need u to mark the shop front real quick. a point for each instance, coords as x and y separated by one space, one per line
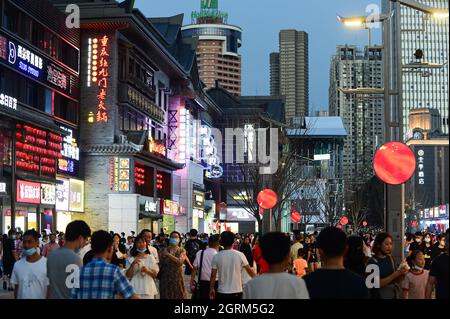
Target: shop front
69 200
198 211
149 214
434 219
171 211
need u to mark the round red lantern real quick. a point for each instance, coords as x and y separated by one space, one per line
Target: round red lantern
296 217
364 223
267 199
394 163
344 221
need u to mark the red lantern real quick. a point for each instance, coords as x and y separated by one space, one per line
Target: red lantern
364 223
394 163
296 217
344 221
267 199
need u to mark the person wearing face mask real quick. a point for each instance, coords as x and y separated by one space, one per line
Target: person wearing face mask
438 282
417 244
142 269
171 277
427 249
77 234
415 282
29 275
439 247
100 279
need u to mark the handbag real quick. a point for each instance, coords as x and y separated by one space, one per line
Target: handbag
196 292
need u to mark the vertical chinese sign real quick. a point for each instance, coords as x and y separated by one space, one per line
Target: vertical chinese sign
98 72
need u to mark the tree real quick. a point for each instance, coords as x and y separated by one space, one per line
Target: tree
357 210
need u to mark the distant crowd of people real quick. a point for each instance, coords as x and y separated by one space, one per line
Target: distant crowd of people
78 264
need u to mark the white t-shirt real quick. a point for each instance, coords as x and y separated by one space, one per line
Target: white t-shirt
229 264
154 252
31 278
276 286
245 276
207 262
143 284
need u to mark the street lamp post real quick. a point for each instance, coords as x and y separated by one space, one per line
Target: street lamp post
393 117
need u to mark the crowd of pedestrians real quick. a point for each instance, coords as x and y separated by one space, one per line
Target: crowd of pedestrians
79 264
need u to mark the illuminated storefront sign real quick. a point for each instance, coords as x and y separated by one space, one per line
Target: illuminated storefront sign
150 206
199 200
170 207
157 148
69 164
208 154
98 66
76 196
8 101
48 194
139 175
62 195
420 167
120 174
184 140
28 192
57 77
27 61
2 187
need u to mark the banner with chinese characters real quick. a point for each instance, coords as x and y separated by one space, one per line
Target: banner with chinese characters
120 174
98 75
425 184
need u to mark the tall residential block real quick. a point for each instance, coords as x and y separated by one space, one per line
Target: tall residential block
353 69
290 72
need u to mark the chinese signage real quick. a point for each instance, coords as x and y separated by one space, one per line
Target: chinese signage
28 192
62 195
98 73
184 134
8 101
209 4
146 105
69 164
170 208
76 196
120 174
208 154
424 178
35 66
48 194
150 206
420 167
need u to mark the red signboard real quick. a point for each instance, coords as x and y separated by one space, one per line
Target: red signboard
28 192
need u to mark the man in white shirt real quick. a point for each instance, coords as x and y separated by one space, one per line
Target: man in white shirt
276 283
206 268
29 275
228 264
147 234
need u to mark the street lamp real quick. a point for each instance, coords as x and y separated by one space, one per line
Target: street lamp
393 68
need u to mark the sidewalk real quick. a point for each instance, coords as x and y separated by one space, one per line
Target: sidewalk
6 294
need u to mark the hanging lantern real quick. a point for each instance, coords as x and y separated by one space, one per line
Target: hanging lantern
344 221
296 217
394 163
267 199
364 223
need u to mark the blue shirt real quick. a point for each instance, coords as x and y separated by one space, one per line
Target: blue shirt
101 280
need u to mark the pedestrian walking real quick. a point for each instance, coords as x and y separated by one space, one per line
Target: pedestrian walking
332 280
9 258
355 260
246 249
262 265
203 266
297 244
51 246
415 282
29 275
439 247
300 266
99 279
66 261
390 277
148 236
142 269
276 283
228 264
119 257
171 277
313 258
438 281
427 249
192 246
417 244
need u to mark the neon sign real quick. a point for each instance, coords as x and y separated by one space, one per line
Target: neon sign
209 156
56 77
184 135
28 61
98 73
8 101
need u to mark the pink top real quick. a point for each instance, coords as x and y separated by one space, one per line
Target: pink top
49 248
300 265
415 284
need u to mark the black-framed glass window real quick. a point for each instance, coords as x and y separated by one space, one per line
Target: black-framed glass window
66 109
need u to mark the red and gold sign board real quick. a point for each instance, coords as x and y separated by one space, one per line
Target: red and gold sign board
98 73
28 192
37 150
